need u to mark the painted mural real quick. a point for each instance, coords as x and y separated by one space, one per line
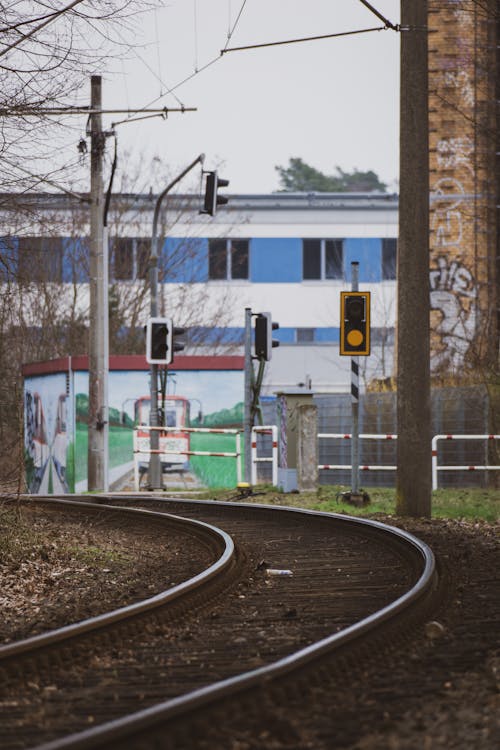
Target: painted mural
56 424
48 443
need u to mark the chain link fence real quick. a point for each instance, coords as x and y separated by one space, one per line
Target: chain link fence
464 410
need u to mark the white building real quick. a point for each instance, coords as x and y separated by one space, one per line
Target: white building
289 254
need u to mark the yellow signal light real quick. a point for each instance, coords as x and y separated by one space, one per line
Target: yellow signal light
355 324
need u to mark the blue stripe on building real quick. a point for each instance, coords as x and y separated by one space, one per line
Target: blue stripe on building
368 253
276 260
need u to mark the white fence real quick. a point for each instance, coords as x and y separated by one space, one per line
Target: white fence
434 448
273 458
448 467
362 436
142 450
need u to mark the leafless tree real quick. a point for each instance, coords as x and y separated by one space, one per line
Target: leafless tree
45 59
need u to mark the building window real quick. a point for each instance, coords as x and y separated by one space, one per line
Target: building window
322 259
305 335
129 258
227 260
40 259
389 258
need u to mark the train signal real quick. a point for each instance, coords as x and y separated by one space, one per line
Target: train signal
160 341
212 199
355 324
176 346
264 342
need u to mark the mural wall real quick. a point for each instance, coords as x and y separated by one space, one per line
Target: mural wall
49 434
56 421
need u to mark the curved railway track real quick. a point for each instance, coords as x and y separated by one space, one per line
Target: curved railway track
354 585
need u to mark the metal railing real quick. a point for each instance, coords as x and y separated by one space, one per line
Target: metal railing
140 448
362 436
273 458
436 467
454 467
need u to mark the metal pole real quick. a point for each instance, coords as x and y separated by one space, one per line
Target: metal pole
414 476
105 355
98 314
248 395
355 398
155 472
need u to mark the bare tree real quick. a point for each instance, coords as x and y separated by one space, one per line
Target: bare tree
45 57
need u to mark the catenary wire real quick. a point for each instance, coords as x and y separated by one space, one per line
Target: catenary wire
211 62
379 15
303 39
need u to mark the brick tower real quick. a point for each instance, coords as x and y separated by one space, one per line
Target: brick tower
464 181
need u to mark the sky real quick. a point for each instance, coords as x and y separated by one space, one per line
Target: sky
332 102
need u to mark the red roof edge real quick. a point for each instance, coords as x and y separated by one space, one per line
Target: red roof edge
134 362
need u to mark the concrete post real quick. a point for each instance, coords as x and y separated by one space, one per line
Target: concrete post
289 401
98 302
307 448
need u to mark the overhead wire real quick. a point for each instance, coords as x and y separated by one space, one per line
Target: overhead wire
158 59
232 30
156 75
195 22
172 89
379 15
303 39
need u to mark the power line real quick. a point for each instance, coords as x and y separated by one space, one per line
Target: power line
304 39
232 30
18 111
204 67
379 15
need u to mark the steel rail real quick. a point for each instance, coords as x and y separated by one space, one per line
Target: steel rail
39 642
154 716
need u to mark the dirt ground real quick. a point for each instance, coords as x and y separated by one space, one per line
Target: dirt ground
56 570
443 692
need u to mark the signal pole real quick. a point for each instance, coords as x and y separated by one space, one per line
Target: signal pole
355 398
248 396
414 475
98 290
155 470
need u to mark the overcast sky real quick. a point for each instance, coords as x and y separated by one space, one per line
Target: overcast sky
331 102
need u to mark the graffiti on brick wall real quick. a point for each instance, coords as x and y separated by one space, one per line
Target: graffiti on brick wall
461 81
453 153
453 286
453 295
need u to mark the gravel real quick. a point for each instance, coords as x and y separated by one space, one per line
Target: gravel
442 691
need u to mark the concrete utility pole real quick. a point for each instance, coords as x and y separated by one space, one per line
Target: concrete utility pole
414 476
98 324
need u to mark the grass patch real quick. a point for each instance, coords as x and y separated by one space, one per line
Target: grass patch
468 504
98 557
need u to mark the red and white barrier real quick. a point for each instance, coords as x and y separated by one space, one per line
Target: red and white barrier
265 430
436 467
385 467
363 436
140 448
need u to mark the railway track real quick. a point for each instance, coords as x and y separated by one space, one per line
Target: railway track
306 592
